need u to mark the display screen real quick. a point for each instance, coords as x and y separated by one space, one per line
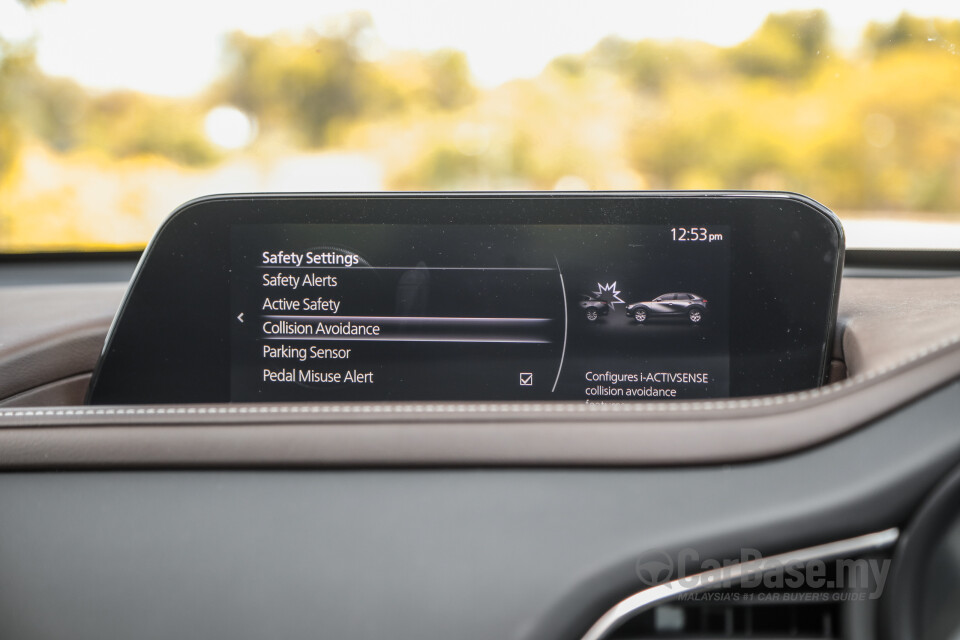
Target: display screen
392 311
592 298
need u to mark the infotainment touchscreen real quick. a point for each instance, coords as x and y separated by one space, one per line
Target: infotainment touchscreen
595 298
471 311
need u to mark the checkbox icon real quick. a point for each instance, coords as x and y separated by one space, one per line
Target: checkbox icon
526 379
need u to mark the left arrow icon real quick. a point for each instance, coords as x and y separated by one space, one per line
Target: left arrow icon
240 317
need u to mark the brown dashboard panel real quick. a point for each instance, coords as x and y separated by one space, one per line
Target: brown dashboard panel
900 339
52 334
49 335
883 321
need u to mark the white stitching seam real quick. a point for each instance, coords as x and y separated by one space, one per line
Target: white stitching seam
501 407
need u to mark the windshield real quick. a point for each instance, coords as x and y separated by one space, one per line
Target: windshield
113 113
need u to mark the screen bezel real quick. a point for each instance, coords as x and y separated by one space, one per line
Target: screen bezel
781 243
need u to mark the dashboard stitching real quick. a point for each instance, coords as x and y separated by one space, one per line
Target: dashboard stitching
539 407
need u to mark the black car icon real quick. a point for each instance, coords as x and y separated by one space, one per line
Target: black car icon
688 306
594 307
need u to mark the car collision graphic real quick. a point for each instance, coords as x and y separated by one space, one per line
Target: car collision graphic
686 306
594 307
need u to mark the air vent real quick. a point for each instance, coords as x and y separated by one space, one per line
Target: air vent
826 591
733 617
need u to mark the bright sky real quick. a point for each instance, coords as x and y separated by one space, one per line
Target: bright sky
173 46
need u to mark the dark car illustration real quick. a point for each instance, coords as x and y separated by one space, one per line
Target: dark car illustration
687 306
594 307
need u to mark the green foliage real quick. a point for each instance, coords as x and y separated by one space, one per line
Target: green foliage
314 83
9 145
13 62
787 45
647 65
127 124
709 140
910 31
449 85
67 117
782 110
308 83
878 128
444 167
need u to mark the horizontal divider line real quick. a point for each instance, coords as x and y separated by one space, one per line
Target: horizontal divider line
315 338
452 319
328 267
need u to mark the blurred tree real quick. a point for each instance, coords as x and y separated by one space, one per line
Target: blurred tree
571 65
911 31
450 85
48 108
787 45
314 83
646 65
12 62
710 142
877 129
65 116
307 84
126 124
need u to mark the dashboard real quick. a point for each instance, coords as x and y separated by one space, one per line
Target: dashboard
251 509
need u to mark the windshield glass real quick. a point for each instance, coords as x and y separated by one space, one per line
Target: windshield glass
112 113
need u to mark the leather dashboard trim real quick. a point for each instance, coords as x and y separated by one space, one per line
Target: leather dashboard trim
48 333
68 391
487 434
900 340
